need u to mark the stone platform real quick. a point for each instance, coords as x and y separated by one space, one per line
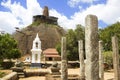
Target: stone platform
36 65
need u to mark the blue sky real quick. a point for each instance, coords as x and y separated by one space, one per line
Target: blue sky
70 12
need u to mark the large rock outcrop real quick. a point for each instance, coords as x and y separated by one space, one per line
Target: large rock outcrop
47 28
49 35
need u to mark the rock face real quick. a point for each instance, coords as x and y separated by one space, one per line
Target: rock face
49 35
46 26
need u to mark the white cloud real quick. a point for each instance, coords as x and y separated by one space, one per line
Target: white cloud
18 15
63 20
7 21
108 12
73 3
22 17
34 7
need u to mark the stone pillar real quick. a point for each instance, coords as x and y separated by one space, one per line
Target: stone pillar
91 48
115 57
81 58
46 11
101 67
64 71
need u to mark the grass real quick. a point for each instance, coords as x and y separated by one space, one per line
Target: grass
2 74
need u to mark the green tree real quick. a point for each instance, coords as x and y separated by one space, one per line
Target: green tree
8 47
108 58
80 32
58 48
107 33
72 44
72 37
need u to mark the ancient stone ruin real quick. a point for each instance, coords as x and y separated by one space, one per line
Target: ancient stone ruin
91 70
91 48
116 66
81 58
64 71
45 18
55 69
46 11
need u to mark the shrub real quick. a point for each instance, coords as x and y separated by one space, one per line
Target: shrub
7 65
108 59
72 64
2 74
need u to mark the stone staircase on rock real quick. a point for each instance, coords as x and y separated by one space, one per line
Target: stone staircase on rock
21 74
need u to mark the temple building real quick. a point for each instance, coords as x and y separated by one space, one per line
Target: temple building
36 52
45 18
51 54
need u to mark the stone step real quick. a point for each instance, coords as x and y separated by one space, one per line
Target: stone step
21 76
20 73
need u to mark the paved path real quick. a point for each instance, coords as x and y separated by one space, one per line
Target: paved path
108 75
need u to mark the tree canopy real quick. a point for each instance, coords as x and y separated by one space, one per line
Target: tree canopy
72 37
107 33
8 47
78 34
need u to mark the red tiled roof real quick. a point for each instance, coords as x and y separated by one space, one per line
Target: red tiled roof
52 55
51 52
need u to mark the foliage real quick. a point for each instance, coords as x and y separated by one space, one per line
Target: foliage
7 65
72 37
8 47
58 48
107 33
2 74
108 57
36 23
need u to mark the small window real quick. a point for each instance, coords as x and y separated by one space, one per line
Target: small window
36 45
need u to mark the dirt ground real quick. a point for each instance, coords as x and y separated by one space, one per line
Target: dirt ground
107 75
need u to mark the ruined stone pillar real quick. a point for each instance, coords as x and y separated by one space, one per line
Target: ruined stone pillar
115 57
91 48
64 71
46 11
101 67
81 58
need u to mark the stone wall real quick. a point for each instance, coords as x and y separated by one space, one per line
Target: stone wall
11 76
35 73
45 19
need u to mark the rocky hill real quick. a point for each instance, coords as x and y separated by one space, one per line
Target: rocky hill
49 35
46 26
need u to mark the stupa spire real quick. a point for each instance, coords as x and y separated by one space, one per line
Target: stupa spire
46 11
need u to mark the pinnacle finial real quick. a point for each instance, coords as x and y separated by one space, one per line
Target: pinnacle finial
37 38
37 35
46 11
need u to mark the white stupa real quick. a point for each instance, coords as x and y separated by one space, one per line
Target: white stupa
36 52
